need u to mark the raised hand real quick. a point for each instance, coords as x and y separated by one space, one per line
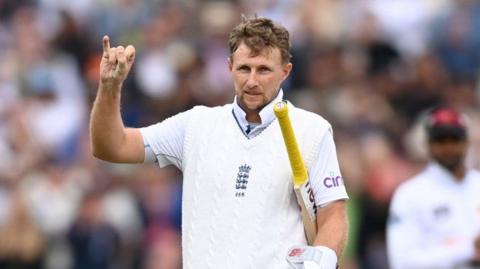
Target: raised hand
116 63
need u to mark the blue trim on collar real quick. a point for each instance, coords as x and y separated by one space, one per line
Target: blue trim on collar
238 123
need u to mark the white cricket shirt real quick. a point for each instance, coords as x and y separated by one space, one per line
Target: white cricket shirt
239 209
434 220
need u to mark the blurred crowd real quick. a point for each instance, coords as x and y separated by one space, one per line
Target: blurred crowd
371 67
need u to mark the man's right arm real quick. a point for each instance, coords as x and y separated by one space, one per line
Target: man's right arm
110 140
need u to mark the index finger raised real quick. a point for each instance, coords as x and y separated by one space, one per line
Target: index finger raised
106 44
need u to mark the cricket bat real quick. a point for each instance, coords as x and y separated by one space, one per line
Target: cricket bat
301 183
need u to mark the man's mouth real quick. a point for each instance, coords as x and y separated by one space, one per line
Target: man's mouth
252 93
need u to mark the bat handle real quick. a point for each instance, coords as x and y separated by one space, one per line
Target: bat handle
296 162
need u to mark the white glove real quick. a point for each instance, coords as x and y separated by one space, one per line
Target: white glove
307 257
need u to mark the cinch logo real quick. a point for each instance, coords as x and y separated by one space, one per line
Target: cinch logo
330 182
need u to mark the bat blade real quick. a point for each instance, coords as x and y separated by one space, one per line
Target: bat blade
301 183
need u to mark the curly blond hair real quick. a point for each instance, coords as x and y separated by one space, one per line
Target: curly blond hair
258 33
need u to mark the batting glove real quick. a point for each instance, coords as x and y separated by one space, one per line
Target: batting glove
307 257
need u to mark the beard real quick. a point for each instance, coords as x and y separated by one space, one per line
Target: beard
451 163
253 104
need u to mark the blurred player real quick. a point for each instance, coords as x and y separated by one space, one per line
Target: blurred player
239 208
435 216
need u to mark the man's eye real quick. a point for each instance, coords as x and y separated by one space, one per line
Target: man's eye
244 68
264 69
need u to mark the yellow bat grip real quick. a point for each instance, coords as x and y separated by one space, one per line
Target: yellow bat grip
300 175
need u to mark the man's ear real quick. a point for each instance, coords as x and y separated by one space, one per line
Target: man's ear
286 70
230 64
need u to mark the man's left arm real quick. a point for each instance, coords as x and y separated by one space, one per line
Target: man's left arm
332 223
330 196
332 226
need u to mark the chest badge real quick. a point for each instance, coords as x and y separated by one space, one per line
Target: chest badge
242 180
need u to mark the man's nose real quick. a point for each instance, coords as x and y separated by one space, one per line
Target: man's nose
252 80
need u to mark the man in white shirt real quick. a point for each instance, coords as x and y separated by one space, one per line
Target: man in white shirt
239 209
434 217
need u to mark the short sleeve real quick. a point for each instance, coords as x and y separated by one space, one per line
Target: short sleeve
165 139
325 177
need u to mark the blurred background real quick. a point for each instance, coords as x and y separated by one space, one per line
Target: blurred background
371 67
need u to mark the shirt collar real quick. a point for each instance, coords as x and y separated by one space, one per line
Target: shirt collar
443 174
266 114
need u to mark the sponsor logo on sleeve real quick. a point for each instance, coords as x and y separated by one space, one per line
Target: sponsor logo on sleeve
333 181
